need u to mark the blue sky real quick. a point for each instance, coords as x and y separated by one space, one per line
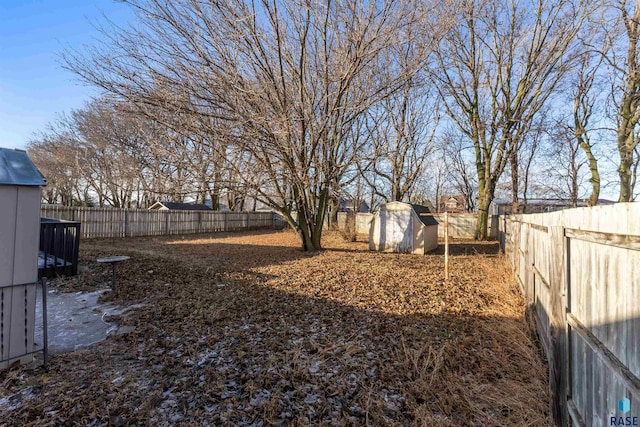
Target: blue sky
34 88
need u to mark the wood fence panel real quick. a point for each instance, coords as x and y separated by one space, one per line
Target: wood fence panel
586 275
115 222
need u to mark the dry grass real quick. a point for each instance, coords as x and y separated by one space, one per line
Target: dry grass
245 329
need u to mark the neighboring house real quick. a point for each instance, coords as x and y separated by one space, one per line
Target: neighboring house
349 205
174 206
221 206
452 204
505 206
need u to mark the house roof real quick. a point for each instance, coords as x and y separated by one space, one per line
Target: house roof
175 206
426 219
349 205
17 169
551 202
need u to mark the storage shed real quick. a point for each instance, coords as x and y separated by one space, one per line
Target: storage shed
20 183
399 227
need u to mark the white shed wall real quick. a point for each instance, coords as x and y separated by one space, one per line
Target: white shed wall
398 228
391 230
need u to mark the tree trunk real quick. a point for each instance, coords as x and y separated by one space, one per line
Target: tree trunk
624 172
310 233
333 218
305 234
485 197
396 194
483 219
574 187
595 175
515 181
215 201
310 219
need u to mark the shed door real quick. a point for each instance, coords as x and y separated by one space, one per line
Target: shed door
399 238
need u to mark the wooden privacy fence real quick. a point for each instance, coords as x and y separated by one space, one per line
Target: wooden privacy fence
580 271
116 222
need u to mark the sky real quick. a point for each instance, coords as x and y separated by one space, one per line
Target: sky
34 88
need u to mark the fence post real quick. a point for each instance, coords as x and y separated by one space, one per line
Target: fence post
225 226
558 373
446 246
166 222
515 251
126 223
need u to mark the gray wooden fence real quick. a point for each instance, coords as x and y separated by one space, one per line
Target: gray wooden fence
115 222
580 271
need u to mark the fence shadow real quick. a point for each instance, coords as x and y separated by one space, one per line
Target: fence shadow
469 248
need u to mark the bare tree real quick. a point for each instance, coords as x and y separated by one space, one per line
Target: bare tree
55 157
288 78
459 161
565 163
624 65
531 146
401 130
106 153
496 69
401 133
103 139
583 103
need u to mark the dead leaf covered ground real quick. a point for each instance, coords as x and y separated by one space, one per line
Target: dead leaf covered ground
245 329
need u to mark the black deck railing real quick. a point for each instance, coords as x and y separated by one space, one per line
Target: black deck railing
59 246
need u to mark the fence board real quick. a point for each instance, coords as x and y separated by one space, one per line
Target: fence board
115 222
585 265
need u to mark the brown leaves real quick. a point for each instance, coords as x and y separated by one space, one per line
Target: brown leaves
247 330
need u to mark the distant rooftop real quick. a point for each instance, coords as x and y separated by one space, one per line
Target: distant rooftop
17 169
550 202
174 206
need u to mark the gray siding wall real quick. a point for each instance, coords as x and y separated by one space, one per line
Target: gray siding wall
19 236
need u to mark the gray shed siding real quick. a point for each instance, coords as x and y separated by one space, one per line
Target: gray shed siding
19 238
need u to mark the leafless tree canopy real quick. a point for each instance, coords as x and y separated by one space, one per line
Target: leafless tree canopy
496 69
285 82
295 104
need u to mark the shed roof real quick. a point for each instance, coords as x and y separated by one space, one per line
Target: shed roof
426 219
17 169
